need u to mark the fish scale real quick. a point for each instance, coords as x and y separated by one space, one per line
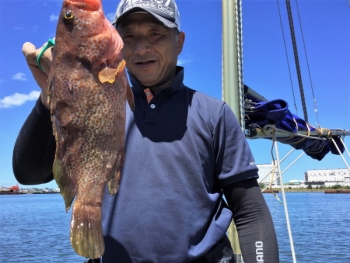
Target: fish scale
87 96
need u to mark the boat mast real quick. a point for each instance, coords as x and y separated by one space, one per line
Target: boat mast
232 73
232 81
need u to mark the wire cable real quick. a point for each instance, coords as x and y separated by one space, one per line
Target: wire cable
285 49
308 67
239 36
296 57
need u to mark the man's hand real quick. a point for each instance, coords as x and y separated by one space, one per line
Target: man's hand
41 77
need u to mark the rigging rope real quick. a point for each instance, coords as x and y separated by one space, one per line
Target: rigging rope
239 38
308 68
285 49
284 199
296 57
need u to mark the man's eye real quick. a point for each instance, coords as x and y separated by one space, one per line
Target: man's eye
127 36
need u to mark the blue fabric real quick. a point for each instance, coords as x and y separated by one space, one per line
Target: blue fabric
276 112
179 154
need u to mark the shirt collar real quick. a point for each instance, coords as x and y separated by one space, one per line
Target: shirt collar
174 86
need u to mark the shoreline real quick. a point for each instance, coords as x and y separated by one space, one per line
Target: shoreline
27 193
305 190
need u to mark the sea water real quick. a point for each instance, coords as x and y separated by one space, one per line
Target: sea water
320 226
35 228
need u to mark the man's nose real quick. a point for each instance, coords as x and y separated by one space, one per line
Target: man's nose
142 45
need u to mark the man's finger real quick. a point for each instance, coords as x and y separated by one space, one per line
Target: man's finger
41 77
29 51
46 58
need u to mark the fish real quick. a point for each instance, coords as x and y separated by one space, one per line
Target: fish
88 93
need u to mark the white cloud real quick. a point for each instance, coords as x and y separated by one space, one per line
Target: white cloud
53 18
19 76
34 28
110 17
181 62
18 99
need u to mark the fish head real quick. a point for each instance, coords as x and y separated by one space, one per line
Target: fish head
84 33
86 5
82 18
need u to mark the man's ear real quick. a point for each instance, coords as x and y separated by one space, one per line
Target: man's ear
180 41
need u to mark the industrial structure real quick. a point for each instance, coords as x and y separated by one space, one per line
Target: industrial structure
324 178
266 171
327 177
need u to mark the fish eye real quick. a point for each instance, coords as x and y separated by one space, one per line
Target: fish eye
68 16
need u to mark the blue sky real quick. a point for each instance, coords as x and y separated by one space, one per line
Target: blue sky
326 30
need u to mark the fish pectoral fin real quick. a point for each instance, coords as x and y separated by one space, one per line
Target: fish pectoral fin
66 184
113 182
50 87
109 74
48 99
86 230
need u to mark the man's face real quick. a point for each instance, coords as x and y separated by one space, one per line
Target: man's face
150 49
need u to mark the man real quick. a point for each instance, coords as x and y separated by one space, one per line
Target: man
183 150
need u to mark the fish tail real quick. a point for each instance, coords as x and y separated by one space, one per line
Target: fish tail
86 231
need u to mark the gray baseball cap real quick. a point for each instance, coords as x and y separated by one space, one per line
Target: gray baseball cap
164 10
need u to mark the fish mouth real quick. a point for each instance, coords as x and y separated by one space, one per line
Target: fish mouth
89 5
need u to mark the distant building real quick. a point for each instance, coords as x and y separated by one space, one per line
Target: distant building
328 177
265 173
295 182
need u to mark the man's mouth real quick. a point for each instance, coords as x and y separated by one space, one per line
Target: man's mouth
145 62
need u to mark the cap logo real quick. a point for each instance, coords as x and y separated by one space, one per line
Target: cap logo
164 6
165 11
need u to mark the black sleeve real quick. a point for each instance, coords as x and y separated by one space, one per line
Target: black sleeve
34 149
253 220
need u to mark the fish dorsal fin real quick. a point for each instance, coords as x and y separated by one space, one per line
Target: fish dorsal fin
109 74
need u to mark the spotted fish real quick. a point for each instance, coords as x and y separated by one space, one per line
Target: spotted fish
87 96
